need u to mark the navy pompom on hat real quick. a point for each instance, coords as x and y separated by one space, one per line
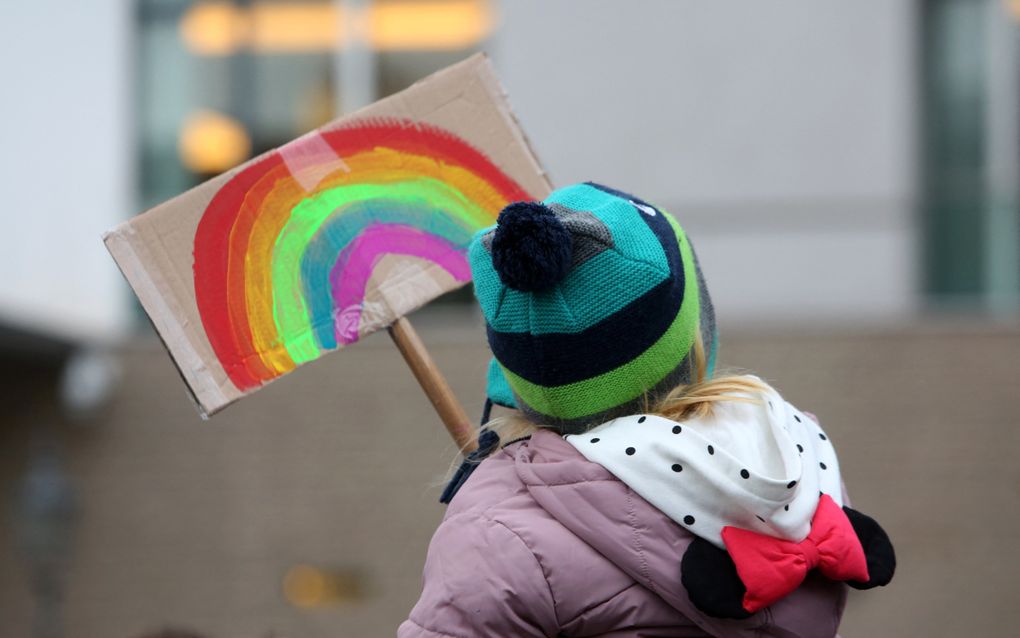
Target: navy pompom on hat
531 249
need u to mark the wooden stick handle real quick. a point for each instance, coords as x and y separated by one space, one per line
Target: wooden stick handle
433 383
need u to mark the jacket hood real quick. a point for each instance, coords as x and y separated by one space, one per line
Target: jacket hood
758 465
637 488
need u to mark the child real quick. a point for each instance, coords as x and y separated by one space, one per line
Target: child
638 494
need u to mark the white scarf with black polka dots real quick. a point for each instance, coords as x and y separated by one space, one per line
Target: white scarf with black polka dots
758 466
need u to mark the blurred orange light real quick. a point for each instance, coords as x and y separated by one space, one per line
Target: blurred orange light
429 25
308 587
298 27
211 142
220 28
213 28
305 586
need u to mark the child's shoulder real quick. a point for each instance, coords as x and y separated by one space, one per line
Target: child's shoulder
491 484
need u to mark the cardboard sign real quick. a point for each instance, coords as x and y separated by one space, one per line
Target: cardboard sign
324 240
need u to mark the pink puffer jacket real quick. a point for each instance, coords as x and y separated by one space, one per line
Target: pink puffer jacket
542 542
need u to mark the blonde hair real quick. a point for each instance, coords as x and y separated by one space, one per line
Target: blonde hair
685 401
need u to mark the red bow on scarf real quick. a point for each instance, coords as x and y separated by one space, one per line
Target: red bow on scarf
771 568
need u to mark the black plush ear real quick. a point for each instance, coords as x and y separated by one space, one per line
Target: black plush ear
711 580
878 550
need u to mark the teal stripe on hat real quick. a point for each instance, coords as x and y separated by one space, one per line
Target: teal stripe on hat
712 349
497 388
587 296
489 289
582 300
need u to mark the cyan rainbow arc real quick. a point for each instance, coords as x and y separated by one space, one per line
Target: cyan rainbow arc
286 248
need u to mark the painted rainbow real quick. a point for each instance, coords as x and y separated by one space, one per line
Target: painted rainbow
286 252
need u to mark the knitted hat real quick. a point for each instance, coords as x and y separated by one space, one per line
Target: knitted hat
592 300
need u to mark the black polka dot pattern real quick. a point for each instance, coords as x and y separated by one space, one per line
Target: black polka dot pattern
671 468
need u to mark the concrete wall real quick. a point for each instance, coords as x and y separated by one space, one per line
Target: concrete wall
781 134
66 170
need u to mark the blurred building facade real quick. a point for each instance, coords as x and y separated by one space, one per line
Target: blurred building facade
848 169
783 136
860 160
68 122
